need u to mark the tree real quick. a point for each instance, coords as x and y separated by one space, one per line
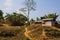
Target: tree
16 19
37 18
32 21
52 15
8 18
44 17
30 4
1 16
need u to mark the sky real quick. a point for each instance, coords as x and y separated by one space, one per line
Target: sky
43 7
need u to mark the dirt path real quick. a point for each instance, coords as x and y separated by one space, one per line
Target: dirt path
43 35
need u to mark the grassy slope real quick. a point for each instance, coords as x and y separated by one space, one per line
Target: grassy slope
11 33
34 32
37 32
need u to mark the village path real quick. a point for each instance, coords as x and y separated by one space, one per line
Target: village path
43 33
42 26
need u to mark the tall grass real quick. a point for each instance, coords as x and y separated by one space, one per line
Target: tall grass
12 33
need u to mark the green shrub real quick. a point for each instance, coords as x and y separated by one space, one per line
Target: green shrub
26 38
16 19
52 33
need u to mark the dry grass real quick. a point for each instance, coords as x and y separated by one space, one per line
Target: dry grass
12 33
33 31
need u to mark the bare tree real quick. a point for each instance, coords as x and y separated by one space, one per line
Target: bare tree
29 6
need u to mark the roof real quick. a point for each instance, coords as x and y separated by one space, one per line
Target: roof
47 19
39 21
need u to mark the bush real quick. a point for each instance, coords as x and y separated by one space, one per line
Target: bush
26 38
9 32
52 33
16 19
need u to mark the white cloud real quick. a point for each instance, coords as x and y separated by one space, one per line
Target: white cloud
8 0
17 11
8 3
7 8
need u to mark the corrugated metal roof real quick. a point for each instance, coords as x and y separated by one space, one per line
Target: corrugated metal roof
48 19
39 21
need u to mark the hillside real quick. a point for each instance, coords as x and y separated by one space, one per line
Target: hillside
38 32
33 32
12 33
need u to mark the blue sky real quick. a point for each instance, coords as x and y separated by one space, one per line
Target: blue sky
42 7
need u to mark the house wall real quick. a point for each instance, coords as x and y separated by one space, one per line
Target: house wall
48 23
53 23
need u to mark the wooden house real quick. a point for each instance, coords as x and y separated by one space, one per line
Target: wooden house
48 21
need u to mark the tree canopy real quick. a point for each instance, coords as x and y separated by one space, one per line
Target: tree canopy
51 15
16 19
1 16
29 5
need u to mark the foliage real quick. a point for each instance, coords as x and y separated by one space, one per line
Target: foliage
44 17
12 33
37 19
1 16
16 19
32 21
26 38
52 33
29 5
52 15
8 32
